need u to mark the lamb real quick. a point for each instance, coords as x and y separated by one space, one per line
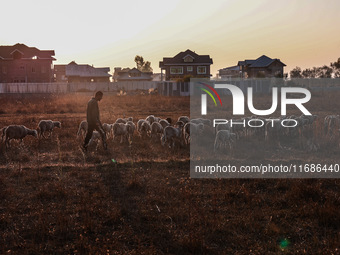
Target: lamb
156 128
172 135
151 119
122 130
164 123
83 126
18 132
95 138
224 137
139 125
191 130
47 125
145 129
184 119
131 130
120 120
107 129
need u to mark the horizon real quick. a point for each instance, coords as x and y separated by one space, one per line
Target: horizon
100 34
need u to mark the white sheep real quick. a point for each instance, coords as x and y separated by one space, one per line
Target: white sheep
145 129
18 132
183 119
131 130
164 123
82 130
107 129
172 135
151 119
192 130
122 130
120 120
47 126
96 137
224 138
156 129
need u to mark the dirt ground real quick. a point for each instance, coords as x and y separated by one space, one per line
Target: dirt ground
57 200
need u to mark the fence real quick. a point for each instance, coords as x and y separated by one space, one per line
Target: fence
75 87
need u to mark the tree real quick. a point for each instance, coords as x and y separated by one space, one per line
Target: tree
142 65
336 68
324 72
309 72
295 73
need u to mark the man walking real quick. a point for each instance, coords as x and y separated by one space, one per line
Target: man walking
93 120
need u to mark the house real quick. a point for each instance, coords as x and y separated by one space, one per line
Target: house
22 64
127 74
261 67
186 64
74 73
230 72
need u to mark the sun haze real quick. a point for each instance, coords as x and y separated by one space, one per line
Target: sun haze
111 33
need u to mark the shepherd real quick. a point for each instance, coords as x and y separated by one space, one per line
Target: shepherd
93 120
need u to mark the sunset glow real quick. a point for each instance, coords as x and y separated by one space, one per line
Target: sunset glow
111 33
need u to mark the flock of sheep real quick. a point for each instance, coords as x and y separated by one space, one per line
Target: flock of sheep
151 127
185 129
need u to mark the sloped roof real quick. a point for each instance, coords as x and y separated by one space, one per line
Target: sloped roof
133 70
262 61
179 58
6 52
231 68
73 69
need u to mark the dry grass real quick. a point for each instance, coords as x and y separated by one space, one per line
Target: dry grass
55 200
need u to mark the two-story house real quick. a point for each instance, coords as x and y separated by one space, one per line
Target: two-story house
22 64
186 64
261 67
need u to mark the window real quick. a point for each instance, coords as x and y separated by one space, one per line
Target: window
22 67
201 70
33 69
176 70
188 59
189 68
4 69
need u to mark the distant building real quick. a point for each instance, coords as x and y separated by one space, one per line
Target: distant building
157 77
22 64
74 73
261 67
186 63
230 72
127 74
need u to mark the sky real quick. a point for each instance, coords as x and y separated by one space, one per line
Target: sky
110 33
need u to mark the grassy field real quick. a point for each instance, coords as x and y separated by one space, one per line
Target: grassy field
57 200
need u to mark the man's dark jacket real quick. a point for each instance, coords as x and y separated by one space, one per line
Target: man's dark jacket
93 112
